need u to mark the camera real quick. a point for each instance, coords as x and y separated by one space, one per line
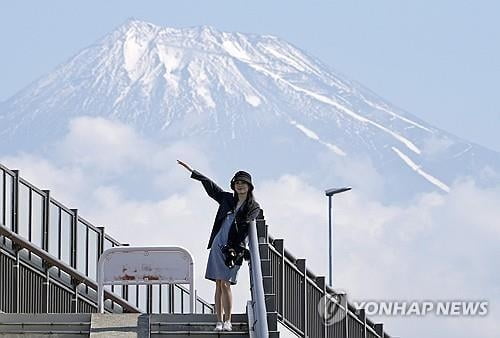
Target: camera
230 255
234 256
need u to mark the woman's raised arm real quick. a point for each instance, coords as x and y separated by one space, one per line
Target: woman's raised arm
212 189
185 165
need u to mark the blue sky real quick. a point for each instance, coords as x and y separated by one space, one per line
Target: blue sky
439 60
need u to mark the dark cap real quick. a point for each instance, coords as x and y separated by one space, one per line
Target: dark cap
242 176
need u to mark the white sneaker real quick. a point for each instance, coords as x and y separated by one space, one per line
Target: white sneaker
218 327
227 326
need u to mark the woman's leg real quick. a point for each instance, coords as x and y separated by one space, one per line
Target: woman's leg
227 299
218 299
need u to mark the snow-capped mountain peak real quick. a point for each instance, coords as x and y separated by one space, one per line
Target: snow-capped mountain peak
171 83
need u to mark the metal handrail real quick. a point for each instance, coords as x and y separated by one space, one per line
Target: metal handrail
53 261
311 280
256 285
47 228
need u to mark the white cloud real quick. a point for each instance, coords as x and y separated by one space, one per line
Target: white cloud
98 143
436 246
168 175
356 171
66 183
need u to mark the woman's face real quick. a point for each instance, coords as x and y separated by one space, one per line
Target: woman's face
241 187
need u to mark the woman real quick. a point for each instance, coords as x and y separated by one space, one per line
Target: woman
228 238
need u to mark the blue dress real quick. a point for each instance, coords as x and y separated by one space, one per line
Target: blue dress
216 268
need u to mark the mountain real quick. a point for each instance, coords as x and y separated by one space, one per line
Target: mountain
248 99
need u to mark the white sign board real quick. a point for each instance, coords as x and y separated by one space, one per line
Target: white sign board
145 265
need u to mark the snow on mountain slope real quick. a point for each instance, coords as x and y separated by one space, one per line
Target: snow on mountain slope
232 91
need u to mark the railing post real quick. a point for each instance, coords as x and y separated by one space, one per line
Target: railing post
74 223
362 316
192 292
321 282
346 318
100 250
172 298
379 329
46 220
74 298
279 246
125 287
100 247
16 276
195 300
3 195
45 289
301 265
149 299
125 292
15 202
262 228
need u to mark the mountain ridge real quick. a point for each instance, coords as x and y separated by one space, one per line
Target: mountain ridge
197 82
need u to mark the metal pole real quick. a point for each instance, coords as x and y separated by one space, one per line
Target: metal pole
192 290
330 193
100 288
260 313
330 239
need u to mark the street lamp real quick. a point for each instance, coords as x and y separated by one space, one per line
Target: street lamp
330 193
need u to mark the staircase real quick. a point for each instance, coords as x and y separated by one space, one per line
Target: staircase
60 295
198 325
119 325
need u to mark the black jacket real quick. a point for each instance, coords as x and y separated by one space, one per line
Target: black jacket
227 202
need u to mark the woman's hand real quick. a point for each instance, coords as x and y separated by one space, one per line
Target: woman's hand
185 165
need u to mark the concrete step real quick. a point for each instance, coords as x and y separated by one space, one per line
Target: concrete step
199 334
199 325
119 325
126 325
274 334
44 325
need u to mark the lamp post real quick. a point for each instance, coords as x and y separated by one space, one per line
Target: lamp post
330 193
